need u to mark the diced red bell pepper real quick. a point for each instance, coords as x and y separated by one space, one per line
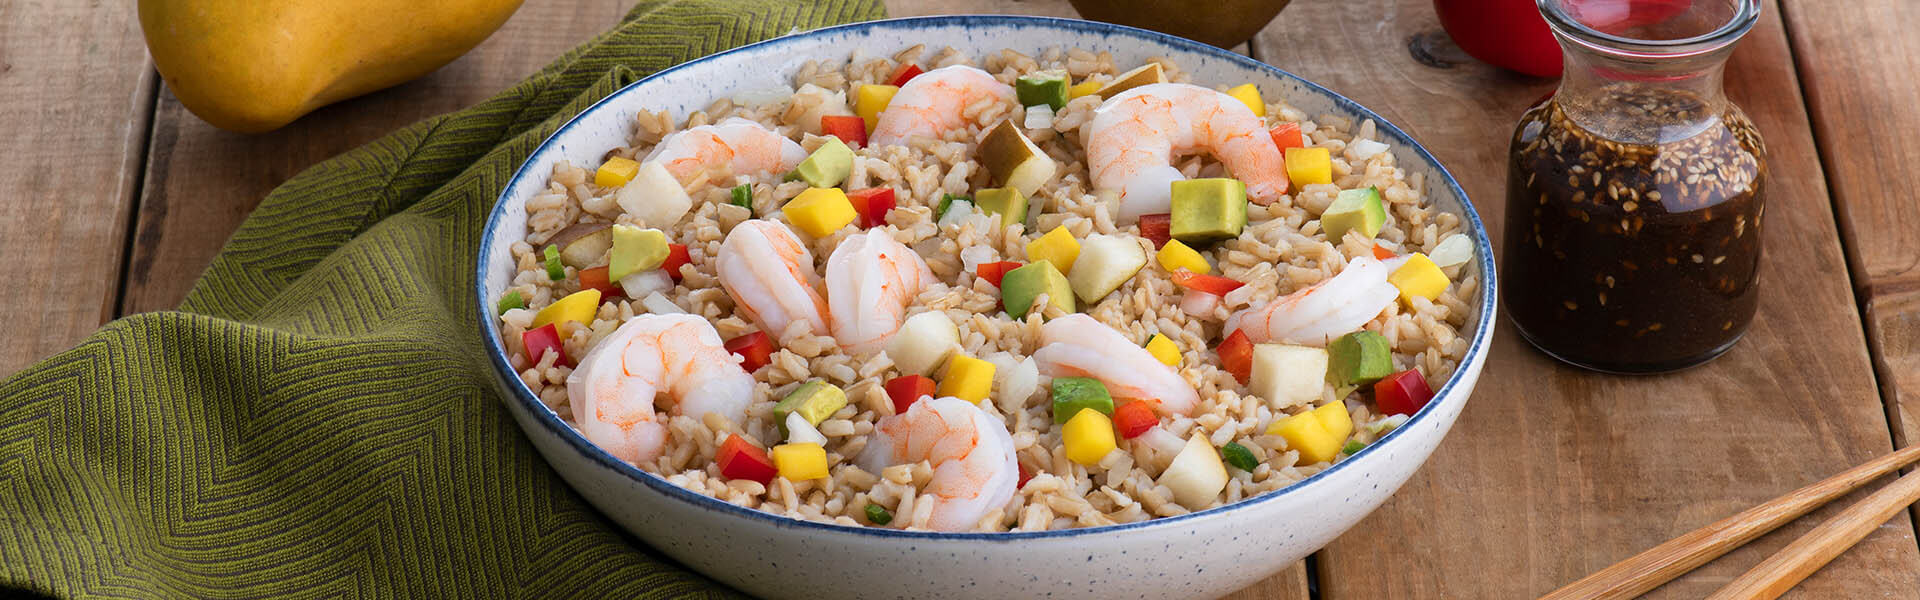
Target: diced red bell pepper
1287 135
873 205
755 350
1157 227
1025 476
907 389
1134 418
539 340
849 128
993 271
1212 284
596 278
676 256
739 459
1381 253
1236 355
903 73
1402 393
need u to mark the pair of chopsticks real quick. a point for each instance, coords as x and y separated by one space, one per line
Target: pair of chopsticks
1771 578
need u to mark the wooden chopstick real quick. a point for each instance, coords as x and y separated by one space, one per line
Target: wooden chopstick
1785 569
1657 565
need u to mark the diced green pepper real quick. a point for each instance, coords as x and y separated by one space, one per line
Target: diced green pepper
814 400
743 196
555 269
511 300
1072 394
1353 447
878 515
1208 210
1046 87
1359 358
1239 457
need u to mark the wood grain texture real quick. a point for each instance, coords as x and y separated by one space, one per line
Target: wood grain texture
1785 569
1857 68
1553 473
75 85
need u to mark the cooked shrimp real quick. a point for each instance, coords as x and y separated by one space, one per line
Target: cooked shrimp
936 101
614 388
734 146
1134 136
1322 311
1079 346
974 470
770 276
870 280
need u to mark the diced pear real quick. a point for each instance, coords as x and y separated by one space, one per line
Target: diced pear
582 244
923 342
1287 375
655 196
1196 474
1139 76
1013 160
1104 263
1007 202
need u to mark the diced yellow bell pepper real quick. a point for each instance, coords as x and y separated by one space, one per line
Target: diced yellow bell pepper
870 99
1334 417
1164 349
967 378
800 462
1305 433
1249 95
1088 436
1419 277
820 211
1057 247
1309 165
1176 256
578 306
615 172
1083 88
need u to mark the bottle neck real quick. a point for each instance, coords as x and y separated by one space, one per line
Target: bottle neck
1645 71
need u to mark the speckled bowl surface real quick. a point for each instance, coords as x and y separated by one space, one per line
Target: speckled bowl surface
1203 554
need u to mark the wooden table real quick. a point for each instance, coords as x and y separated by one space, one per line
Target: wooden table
115 198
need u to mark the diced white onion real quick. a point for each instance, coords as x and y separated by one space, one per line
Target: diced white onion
1039 117
957 211
644 283
1021 380
660 305
1454 250
1198 303
1361 150
1392 422
974 256
765 95
799 431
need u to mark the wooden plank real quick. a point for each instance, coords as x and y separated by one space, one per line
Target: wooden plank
1553 473
202 181
75 91
1857 66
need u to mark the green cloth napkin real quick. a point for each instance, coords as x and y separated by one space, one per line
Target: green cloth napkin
315 420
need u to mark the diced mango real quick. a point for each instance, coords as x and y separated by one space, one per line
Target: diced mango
1164 349
820 211
1306 434
578 306
615 172
1309 165
967 378
1419 277
1083 88
800 462
1335 418
1176 256
870 99
1088 436
1249 95
1057 247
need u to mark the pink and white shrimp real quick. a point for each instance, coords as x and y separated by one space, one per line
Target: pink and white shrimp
769 274
974 469
936 101
1323 311
1076 345
1134 136
679 356
871 278
734 146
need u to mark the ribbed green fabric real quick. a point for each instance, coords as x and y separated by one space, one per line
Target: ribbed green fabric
315 419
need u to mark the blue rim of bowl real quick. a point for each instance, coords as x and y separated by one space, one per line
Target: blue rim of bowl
490 333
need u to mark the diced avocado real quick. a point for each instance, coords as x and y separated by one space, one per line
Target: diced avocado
1013 160
1045 87
814 400
1139 76
1353 210
827 166
1208 210
1007 202
1359 358
1104 263
1071 394
1019 287
636 250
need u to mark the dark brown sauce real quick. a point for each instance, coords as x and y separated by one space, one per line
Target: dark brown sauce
1633 257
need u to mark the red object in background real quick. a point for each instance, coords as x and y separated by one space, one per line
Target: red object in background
907 389
596 278
539 340
850 129
1212 284
1504 33
1236 355
872 204
676 256
741 460
993 271
903 73
1402 393
1134 418
1287 135
755 350
1157 227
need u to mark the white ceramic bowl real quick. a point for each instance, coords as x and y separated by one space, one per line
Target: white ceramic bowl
1204 554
